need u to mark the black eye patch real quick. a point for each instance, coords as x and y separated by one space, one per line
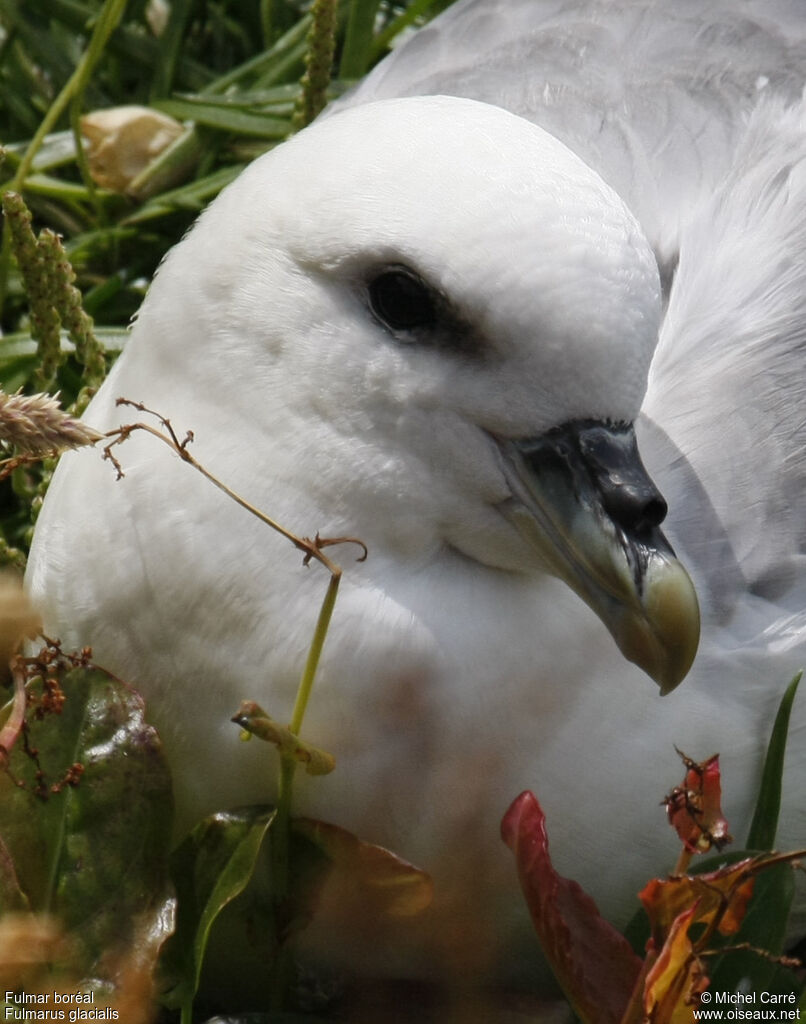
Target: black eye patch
414 312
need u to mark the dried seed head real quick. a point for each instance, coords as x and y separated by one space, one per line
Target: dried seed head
37 425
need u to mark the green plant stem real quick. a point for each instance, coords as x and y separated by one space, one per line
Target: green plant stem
108 19
281 827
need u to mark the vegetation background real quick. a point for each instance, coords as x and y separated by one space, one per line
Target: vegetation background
229 73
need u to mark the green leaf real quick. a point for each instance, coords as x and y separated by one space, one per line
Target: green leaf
637 931
764 927
281 96
94 853
210 867
765 819
18 358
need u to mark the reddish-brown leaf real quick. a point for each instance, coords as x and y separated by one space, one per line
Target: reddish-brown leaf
721 896
676 979
385 883
590 959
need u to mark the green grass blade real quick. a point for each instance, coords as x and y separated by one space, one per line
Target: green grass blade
188 197
170 43
226 119
765 819
139 50
357 51
417 9
264 65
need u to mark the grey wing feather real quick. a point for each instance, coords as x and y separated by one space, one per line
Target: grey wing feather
649 93
692 112
727 383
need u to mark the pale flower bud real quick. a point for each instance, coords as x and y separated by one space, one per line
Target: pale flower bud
123 141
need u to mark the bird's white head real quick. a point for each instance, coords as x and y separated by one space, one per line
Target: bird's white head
405 296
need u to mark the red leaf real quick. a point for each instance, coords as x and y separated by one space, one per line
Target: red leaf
695 807
593 963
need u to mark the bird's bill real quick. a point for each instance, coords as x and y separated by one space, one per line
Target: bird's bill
583 500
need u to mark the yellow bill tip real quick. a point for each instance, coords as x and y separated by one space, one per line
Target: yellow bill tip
663 636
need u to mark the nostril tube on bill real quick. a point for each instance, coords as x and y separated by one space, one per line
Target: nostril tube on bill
635 507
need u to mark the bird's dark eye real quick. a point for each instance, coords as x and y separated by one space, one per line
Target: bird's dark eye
403 302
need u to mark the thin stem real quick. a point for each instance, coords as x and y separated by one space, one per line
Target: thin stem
312 548
322 624
280 836
81 157
683 861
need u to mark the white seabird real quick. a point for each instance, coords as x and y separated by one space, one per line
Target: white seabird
357 331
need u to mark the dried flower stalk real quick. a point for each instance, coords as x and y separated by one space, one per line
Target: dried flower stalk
67 300
318 62
45 323
54 300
